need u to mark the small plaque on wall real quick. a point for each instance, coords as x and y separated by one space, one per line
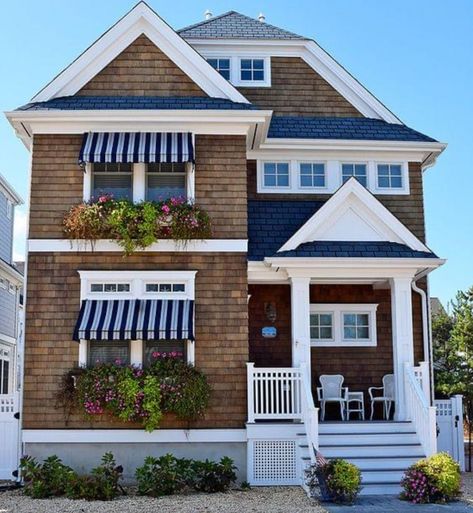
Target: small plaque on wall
269 332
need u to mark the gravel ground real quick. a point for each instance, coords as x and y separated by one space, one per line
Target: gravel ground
256 500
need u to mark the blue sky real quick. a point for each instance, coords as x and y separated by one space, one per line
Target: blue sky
413 55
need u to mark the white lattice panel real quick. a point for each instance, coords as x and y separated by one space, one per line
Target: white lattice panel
274 462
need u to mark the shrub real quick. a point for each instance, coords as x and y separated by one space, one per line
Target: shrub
165 475
48 479
339 481
136 226
212 477
101 485
434 479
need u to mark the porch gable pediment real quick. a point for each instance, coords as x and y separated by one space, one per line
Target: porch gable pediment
353 214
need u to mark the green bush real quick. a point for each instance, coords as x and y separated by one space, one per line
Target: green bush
165 475
48 479
439 476
212 477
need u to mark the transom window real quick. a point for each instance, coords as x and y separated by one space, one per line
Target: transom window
390 176
321 326
115 179
110 287
312 174
222 66
165 180
252 70
166 287
276 174
356 326
356 170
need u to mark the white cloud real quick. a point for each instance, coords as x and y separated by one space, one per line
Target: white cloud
19 234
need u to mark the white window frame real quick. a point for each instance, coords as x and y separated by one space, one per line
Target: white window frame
311 188
139 182
325 312
392 190
279 188
253 83
356 163
338 310
137 280
10 357
105 295
220 58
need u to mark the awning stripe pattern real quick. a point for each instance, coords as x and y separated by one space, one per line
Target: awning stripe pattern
135 319
135 147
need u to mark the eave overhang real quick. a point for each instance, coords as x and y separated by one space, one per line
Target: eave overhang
11 273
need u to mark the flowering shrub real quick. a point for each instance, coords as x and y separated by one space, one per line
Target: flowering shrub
434 479
132 394
136 226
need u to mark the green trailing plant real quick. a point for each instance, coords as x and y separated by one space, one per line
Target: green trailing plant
433 479
213 477
165 475
132 394
136 226
47 479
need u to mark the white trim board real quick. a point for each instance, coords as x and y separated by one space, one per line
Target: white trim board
353 214
71 436
162 246
140 20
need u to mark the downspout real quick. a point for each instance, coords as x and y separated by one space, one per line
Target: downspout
426 334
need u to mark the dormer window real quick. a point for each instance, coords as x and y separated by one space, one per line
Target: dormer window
252 70
389 176
115 179
356 170
222 65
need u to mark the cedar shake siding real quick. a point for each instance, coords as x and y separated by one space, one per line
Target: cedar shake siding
220 183
297 90
362 367
408 208
221 347
142 69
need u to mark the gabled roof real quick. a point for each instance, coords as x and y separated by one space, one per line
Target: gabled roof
140 20
290 127
10 191
135 102
234 25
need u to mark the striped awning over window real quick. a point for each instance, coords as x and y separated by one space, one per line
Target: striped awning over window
136 147
135 319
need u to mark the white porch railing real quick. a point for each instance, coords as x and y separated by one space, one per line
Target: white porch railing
310 415
419 410
423 377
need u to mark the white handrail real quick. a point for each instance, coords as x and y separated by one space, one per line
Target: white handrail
419 411
310 415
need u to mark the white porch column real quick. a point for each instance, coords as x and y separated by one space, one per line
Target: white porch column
300 320
403 340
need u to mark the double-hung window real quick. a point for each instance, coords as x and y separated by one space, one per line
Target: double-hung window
356 170
276 174
115 179
252 70
312 175
222 65
108 351
165 181
389 176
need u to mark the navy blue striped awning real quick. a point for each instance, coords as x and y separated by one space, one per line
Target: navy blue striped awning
135 319
136 147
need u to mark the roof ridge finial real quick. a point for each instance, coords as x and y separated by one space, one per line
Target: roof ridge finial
261 17
208 14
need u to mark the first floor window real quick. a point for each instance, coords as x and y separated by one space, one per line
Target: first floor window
222 66
356 326
321 326
312 175
154 349
276 174
390 176
4 371
252 70
356 170
115 179
165 181
108 351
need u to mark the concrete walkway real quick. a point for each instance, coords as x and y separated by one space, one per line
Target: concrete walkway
389 504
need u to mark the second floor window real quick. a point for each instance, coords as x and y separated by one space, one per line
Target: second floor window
115 179
356 170
222 66
164 181
312 175
252 70
390 176
276 174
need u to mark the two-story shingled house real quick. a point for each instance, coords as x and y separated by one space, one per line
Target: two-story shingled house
317 263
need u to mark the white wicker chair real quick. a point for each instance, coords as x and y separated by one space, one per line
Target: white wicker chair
386 397
332 391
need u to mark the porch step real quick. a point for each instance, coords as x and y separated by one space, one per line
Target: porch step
360 427
347 451
367 439
368 463
387 488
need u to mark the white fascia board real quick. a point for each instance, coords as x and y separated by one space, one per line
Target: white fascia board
140 20
316 57
71 436
6 339
380 214
161 246
7 271
10 191
142 275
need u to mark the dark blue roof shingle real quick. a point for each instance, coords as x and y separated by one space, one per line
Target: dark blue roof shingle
272 223
342 128
233 25
136 102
